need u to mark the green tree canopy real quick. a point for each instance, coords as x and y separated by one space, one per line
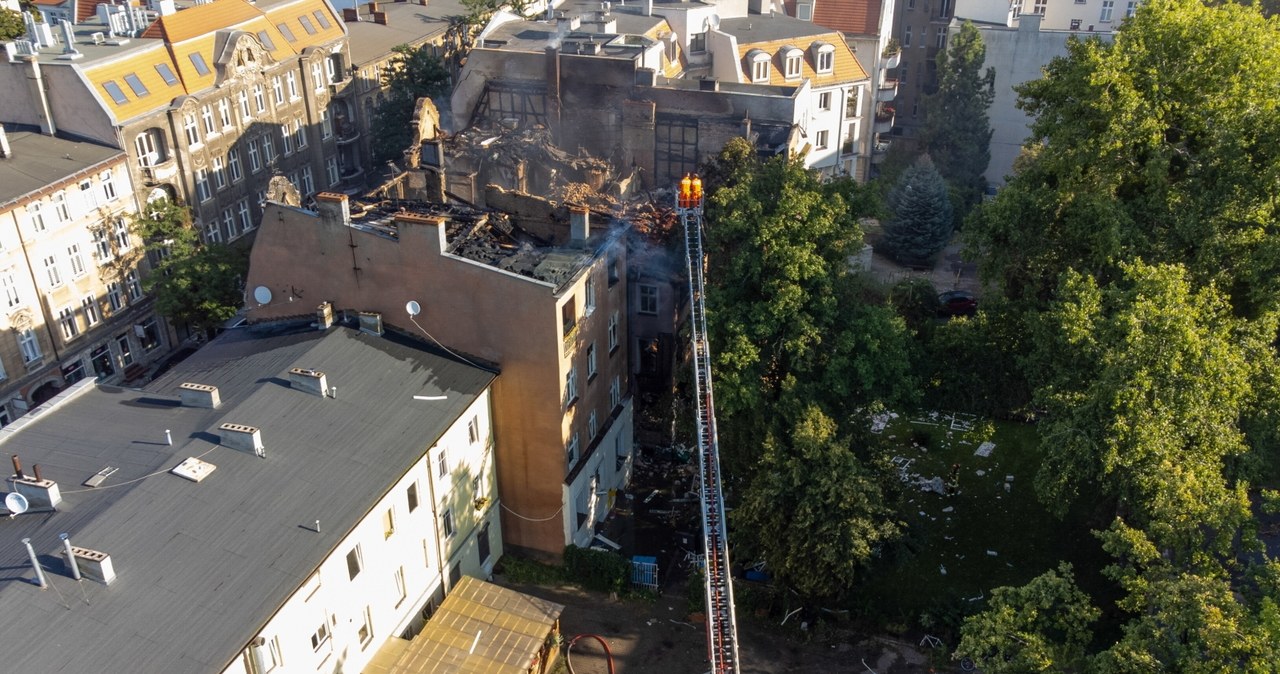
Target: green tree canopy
957 132
920 223
814 512
1043 626
12 26
196 284
1163 144
410 75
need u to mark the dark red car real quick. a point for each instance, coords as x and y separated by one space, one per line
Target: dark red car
957 303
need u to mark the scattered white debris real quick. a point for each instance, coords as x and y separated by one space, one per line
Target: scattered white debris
980 472
1008 487
922 514
934 485
985 449
1008 478
948 509
942 569
993 553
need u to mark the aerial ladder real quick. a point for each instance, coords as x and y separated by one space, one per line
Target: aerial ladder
722 629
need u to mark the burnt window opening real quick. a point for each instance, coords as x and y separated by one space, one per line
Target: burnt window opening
675 147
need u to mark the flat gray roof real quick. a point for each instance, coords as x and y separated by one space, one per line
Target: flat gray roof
39 161
765 28
201 567
407 23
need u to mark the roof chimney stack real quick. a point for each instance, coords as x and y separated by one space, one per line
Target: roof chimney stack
312 381
17 467
5 150
39 493
199 395
334 208
96 565
579 224
240 436
324 315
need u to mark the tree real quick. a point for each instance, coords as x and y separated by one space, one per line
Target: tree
957 132
1147 383
412 73
1163 144
12 26
194 283
814 512
1043 626
920 223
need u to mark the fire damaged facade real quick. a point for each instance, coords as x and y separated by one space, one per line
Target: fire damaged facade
533 287
661 87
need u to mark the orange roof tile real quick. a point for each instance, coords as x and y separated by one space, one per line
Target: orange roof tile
201 20
856 17
141 66
844 68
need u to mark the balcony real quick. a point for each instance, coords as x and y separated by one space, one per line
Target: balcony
348 133
891 60
337 89
887 91
884 119
879 151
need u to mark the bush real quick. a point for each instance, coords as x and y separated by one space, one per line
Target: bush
596 570
524 571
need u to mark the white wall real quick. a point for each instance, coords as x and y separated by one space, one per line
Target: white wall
415 548
592 496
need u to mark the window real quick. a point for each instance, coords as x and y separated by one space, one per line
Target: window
246 219
412 496
826 59
166 74
401 590
120 230
60 207
321 18
76 260
35 215
589 291
571 450
229 224
115 295
321 635
442 463
944 8
29 345
331 170
288 139
326 125
268 148
355 562
102 245
233 162
308 183
1131 8
224 113
824 100
591 362
206 116
255 161
291 79
1041 5
265 38
613 269
260 97
366 629
570 386
67 321
150 147
243 98
1015 8
203 191
804 12
615 391
483 544
219 172
190 127
88 200
903 69
760 67
473 430
197 60
135 288
10 284
446 523
277 90
1108 6
648 299
698 42
906 37
299 134
591 425
89 307
115 92
568 316
317 77
122 345
307 25
288 34
1075 24
941 38
51 270
791 62
613 332
108 186
388 523
212 232
822 139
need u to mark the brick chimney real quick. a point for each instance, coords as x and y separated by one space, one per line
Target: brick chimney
579 224
334 208
199 395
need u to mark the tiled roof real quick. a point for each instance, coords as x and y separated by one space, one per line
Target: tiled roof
845 66
145 66
855 17
201 20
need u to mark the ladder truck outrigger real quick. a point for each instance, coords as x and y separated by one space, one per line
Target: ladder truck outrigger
722 629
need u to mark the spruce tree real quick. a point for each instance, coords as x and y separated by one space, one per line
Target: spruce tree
957 131
920 224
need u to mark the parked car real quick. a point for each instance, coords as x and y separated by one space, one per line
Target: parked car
957 303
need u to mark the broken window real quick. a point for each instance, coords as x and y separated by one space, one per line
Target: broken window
569 316
675 147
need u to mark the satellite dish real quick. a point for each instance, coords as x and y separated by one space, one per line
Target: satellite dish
713 22
413 307
262 294
16 503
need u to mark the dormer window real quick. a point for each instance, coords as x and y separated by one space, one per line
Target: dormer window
824 55
759 64
792 59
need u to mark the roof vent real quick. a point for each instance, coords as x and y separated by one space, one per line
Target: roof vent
312 381
94 564
324 315
371 322
193 469
199 395
239 436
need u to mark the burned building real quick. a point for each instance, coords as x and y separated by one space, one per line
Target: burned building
533 287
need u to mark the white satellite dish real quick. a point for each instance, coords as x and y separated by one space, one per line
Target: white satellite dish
262 294
712 22
413 307
16 503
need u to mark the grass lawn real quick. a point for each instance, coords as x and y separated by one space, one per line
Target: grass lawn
991 532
